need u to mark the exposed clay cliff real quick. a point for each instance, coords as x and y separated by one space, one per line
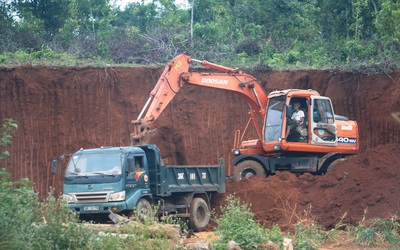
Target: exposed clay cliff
60 110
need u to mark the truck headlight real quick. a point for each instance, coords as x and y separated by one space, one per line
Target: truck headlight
68 198
117 196
236 151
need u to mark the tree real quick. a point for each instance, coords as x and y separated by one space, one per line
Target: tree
140 15
6 26
387 23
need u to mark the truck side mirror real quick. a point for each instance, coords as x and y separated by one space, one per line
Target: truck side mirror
54 164
54 167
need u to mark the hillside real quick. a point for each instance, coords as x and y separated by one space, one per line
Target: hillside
60 110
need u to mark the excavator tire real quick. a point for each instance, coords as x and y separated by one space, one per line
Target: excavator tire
247 169
332 166
329 166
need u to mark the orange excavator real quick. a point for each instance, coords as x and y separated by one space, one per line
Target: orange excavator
313 146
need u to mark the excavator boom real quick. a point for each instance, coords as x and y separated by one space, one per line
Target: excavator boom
176 74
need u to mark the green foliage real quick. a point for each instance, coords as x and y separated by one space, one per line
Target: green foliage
17 211
275 235
387 24
28 223
237 223
45 56
283 34
308 237
7 130
377 231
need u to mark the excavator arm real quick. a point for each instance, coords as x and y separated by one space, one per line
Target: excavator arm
176 74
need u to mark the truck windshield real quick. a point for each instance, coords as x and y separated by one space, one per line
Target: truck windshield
273 121
94 164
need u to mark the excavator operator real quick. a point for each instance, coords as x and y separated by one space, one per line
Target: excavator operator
296 120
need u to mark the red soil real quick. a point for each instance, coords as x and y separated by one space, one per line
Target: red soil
60 110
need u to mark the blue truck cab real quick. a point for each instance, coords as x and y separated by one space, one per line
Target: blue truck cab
131 179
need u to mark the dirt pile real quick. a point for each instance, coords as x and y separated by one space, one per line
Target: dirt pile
61 110
365 185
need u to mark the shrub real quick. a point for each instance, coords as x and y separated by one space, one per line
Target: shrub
7 130
237 223
275 235
307 237
28 223
378 231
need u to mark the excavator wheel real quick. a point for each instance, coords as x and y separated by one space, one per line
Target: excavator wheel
247 169
330 166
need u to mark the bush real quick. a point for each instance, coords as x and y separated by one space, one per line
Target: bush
237 223
307 237
7 130
275 235
28 223
378 231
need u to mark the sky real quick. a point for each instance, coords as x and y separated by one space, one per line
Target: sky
123 3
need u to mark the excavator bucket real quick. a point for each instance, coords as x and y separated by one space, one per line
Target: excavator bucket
139 134
396 116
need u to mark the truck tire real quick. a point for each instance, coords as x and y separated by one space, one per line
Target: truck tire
144 209
247 169
199 214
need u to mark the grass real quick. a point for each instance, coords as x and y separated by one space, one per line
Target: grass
48 57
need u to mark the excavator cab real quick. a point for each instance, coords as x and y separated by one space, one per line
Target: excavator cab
318 127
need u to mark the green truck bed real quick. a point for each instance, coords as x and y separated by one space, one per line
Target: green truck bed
168 179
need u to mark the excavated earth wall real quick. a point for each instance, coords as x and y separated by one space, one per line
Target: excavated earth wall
62 109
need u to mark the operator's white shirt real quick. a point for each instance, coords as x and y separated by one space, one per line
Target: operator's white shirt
298 115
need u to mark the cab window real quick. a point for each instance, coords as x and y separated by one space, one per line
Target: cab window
135 164
273 121
322 111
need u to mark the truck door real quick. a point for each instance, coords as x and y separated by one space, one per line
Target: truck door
323 126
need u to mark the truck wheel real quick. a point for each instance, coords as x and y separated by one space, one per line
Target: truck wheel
144 209
248 169
199 214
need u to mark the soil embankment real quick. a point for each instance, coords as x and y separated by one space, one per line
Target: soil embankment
60 110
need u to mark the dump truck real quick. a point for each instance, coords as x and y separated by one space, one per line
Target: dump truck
129 180
314 146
